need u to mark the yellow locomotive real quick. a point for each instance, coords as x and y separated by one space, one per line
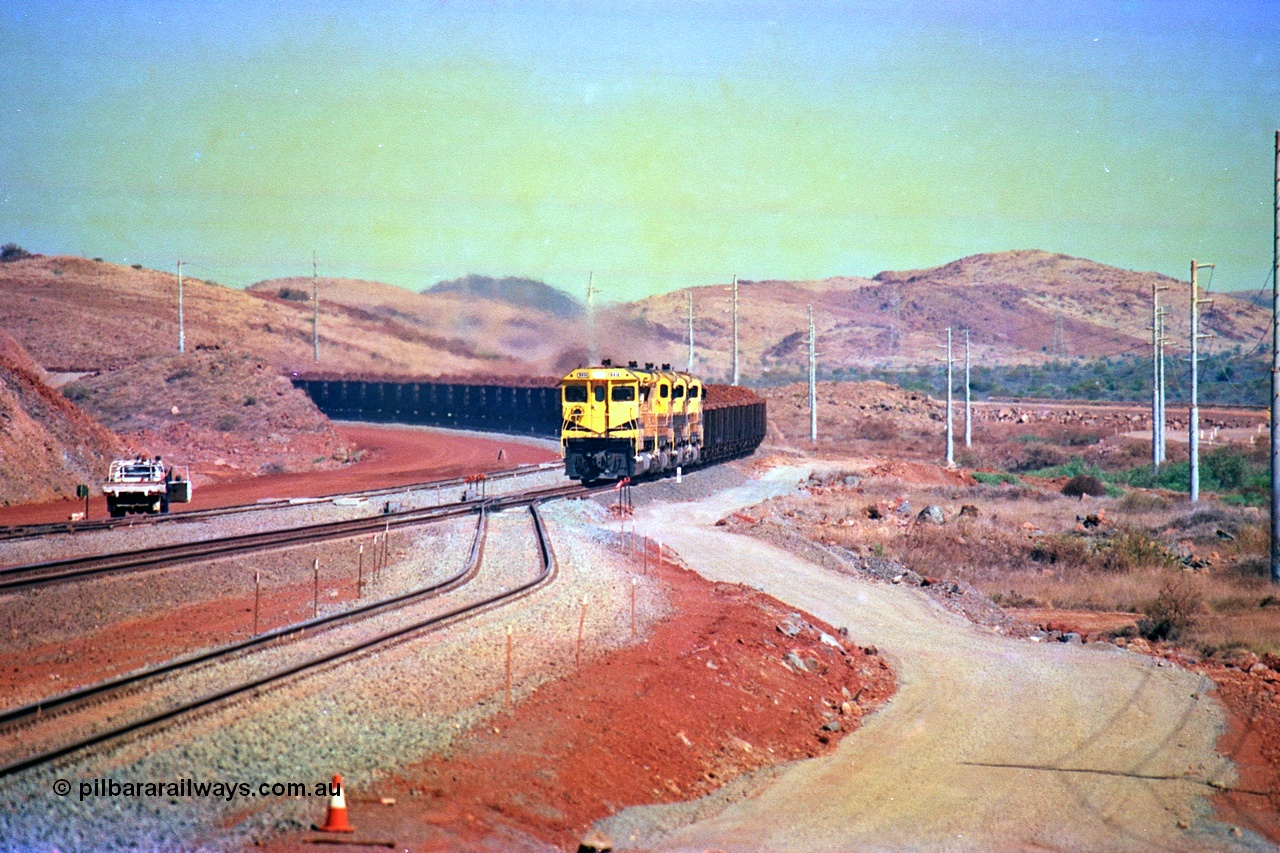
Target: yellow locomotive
623 422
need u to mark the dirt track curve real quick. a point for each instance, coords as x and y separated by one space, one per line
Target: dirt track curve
990 744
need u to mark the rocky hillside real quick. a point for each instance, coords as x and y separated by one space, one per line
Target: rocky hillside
1020 307
48 445
224 413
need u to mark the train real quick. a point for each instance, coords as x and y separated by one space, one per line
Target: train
622 422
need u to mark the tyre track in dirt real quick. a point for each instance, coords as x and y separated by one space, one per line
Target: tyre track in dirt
990 744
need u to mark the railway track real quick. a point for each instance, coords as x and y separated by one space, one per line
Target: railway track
74 721
18 532
18 578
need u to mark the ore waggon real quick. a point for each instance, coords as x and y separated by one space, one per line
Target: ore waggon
628 421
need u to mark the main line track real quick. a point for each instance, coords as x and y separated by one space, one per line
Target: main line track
18 532
18 578
30 716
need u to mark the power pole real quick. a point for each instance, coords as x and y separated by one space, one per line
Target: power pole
315 317
1164 421
735 329
592 355
690 292
895 320
813 381
968 417
1193 419
1157 379
1275 379
182 332
951 448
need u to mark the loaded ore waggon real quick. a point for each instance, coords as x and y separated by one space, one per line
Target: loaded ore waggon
628 421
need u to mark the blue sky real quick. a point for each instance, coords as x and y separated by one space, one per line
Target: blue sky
660 145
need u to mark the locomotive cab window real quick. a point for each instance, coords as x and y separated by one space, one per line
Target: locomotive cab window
679 392
599 393
623 393
662 391
575 392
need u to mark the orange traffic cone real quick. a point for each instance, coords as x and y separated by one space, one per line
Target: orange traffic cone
337 818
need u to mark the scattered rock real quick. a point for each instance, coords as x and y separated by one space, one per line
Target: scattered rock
788 629
794 661
831 726
968 511
595 841
932 513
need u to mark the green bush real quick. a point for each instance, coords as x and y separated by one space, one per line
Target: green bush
995 478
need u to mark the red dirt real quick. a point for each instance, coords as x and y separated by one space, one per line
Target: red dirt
652 723
393 457
121 647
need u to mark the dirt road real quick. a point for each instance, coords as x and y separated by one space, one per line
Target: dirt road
990 744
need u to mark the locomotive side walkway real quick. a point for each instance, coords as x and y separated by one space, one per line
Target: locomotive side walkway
990 744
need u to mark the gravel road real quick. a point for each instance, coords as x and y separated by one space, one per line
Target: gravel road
991 743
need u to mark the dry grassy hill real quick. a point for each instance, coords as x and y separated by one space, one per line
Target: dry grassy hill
1020 307
48 446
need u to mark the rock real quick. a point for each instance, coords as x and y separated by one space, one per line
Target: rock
829 640
932 513
905 507
871 651
795 662
595 841
968 511
788 629
850 481
1259 669
831 726
1073 638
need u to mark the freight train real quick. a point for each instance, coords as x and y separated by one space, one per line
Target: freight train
628 421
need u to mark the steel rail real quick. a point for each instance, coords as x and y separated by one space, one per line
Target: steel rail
546 574
15 578
18 532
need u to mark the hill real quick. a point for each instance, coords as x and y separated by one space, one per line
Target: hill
1021 307
520 292
48 445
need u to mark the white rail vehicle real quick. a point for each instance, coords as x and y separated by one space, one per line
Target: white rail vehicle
144 485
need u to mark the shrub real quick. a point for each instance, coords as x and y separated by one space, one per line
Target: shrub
294 294
1064 551
75 392
1132 549
1173 612
12 252
228 423
995 478
251 400
1084 484
1137 501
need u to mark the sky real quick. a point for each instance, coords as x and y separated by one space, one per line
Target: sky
655 145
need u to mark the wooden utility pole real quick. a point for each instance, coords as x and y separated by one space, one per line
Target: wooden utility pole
1193 418
968 415
182 332
735 329
315 300
1275 378
1157 378
951 447
690 292
813 381
592 355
